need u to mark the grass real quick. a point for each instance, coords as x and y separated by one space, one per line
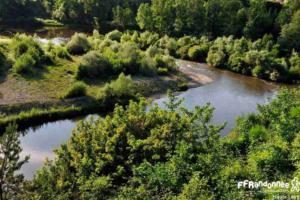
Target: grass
36 116
49 22
49 83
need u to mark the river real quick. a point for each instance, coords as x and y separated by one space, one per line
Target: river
231 94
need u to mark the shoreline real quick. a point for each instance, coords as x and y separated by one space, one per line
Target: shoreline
39 112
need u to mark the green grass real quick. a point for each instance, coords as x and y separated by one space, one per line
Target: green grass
49 22
36 116
47 84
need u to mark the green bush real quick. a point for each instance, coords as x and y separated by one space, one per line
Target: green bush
27 53
295 65
78 44
147 66
198 52
147 39
119 91
60 52
114 35
93 65
24 64
162 71
165 62
21 44
258 71
216 58
129 54
182 52
78 89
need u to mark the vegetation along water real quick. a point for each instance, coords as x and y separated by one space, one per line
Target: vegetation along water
149 99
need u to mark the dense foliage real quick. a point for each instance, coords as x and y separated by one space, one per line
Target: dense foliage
140 153
78 89
27 53
11 182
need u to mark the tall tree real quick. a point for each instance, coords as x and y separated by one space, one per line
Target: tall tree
10 163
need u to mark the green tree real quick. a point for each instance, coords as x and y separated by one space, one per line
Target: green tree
290 34
144 17
11 184
123 17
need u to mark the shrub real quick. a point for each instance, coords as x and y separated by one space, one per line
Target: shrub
21 44
78 44
182 52
119 91
216 58
147 39
24 64
258 71
162 71
114 35
60 52
105 43
198 52
147 66
129 54
93 65
28 54
165 62
152 51
185 41
78 89
236 62
295 65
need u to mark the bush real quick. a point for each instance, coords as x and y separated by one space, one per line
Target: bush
21 44
93 65
198 52
114 35
78 44
295 65
119 91
182 52
129 55
24 64
147 39
147 66
60 52
162 71
78 89
258 72
216 58
27 53
165 62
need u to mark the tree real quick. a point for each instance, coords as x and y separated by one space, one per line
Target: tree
144 17
189 16
123 17
10 163
104 154
290 33
260 20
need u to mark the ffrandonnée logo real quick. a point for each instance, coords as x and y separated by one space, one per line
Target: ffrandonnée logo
293 186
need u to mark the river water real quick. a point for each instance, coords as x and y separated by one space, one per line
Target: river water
231 94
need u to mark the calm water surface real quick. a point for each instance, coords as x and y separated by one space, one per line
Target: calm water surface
231 94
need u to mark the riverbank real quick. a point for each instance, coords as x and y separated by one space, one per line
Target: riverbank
29 111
